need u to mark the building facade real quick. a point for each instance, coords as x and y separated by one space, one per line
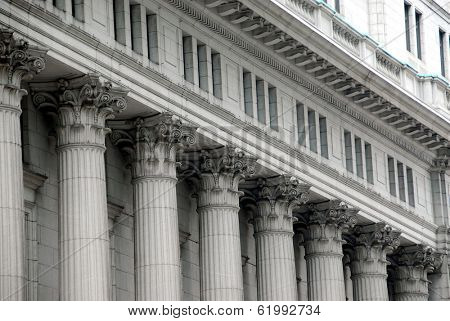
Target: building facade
224 150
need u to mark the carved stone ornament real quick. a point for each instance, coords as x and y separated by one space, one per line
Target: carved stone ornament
420 256
336 212
150 144
21 61
80 105
227 161
379 234
286 189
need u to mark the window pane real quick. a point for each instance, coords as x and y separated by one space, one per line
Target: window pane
301 124
312 130
348 151
323 136
391 169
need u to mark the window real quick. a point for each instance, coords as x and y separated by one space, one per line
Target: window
78 9
248 93
401 181
273 108
391 171
188 58
369 164
441 48
359 157
60 4
407 27
410 183
312 130
337 5
418 34
119 21
323 136
348 151
301 132
152 37
216 74
136 28
202 66
261 100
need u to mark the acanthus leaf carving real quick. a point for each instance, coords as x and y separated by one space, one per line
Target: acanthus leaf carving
80 107
21 60
150 144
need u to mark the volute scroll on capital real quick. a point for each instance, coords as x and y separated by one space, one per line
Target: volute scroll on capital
80 101
378 234
336 212
227 161
419 256
21 60
150 144
287 189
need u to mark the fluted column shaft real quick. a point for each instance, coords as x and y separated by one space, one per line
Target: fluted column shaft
84 238
151 144
324 263
411 273
220 247
80 107
275 266
410 284
12 220
323 247
369 274
16 63
275 259
218 208
158 266
300 266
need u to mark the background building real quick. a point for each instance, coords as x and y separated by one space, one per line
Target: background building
224 150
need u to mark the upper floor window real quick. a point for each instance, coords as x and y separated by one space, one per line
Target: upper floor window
248 92
419 34
301 128
348 151
442 50
407 8
78 9
273 108
337 5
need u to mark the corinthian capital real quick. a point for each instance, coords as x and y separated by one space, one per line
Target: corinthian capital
335 212
81 107
276 198
226 166
18 60
151 143
286 189
379 234
418 256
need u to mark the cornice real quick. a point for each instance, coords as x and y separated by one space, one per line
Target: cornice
219 112
292 74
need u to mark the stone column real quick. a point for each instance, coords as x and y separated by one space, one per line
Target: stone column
323 245
152 144
369 264
81 109
218 207
273 221
411 273
300 267
17 62
348 279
